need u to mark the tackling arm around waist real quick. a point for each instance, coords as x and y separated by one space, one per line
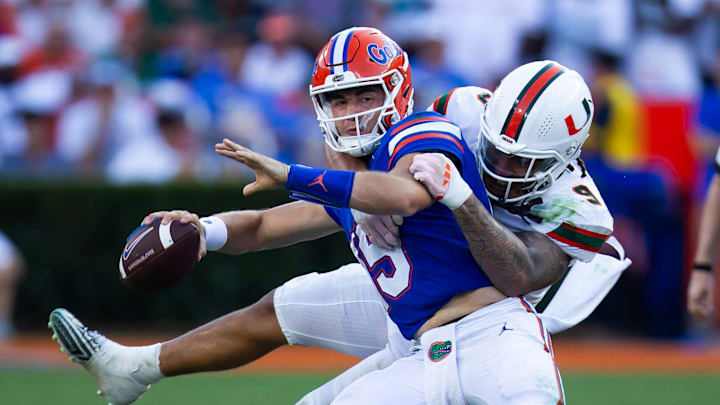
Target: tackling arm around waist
460 305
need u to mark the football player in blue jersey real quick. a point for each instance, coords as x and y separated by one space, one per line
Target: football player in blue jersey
433 263
360 108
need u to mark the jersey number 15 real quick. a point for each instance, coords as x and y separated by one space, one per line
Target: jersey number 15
391 270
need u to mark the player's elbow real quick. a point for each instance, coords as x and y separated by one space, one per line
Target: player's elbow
526 281
413 199
408 206
514 289
517 286
537 278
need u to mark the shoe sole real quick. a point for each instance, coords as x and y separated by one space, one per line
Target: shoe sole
71 334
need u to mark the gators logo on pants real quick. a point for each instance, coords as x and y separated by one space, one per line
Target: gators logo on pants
439 350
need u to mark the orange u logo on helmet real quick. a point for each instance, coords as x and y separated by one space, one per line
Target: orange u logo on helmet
572 130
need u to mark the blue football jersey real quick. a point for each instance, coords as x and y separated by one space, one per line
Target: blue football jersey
434 261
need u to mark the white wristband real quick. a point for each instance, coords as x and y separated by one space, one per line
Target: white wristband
215 232
457 193
458 190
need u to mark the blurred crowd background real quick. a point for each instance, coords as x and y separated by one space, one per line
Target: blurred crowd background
138 91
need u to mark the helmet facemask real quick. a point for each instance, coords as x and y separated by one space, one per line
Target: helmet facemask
515 174
367 135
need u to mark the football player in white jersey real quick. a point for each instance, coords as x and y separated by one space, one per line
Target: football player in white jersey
531 165
559 199
326 310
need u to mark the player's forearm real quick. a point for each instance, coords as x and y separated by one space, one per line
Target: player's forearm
516 264
372 192
242 231
549 261
385 193
503 256
709 225
287 224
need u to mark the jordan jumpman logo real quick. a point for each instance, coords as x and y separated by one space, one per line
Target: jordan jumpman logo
504 328
319 180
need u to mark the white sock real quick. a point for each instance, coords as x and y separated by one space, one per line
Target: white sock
149 368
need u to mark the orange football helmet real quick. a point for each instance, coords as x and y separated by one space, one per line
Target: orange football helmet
356 57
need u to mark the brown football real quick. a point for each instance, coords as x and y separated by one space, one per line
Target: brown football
159 256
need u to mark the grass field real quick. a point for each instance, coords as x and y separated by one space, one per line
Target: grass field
595 372
28 386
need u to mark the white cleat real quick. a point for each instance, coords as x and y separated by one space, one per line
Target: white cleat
112 365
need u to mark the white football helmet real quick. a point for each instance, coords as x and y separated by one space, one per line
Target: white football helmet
532 129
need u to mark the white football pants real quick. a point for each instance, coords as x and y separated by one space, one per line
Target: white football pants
503 356
341 310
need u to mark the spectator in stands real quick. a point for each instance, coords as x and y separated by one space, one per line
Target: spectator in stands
12 268
617 157
12 129
666 75
431 73
276 64
94 26
483 38
56 53
190 46
617 131
106 116
575 29
242 118
219 75
172 150
32 20
37 98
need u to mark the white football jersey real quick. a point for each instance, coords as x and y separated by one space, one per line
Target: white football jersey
464 106
572 213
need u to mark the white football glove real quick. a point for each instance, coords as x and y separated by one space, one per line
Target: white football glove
441 178
382 230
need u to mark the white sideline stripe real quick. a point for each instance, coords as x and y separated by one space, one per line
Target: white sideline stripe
435 126
165 237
